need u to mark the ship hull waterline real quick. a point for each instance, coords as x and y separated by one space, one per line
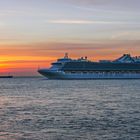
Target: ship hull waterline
85 76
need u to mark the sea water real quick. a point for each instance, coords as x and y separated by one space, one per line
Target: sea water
40 109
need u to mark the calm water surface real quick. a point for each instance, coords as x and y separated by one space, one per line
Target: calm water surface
39 109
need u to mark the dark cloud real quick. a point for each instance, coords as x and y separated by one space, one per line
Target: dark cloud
98 45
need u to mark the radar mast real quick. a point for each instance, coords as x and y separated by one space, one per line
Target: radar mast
66 56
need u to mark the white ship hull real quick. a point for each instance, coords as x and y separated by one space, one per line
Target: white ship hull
62 75
126 67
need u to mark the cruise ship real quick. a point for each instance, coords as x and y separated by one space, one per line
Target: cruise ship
125 67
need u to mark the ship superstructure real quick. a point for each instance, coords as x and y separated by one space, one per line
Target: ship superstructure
125 67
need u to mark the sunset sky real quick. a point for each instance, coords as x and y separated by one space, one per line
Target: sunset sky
33 33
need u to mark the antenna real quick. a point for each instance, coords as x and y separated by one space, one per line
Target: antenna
38 67
66 55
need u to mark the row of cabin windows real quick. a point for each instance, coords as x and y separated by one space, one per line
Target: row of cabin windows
107 72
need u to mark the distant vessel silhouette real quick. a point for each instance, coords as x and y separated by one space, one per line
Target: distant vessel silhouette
125 67
6 76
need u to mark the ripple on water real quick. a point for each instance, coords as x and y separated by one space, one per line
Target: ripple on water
33 109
